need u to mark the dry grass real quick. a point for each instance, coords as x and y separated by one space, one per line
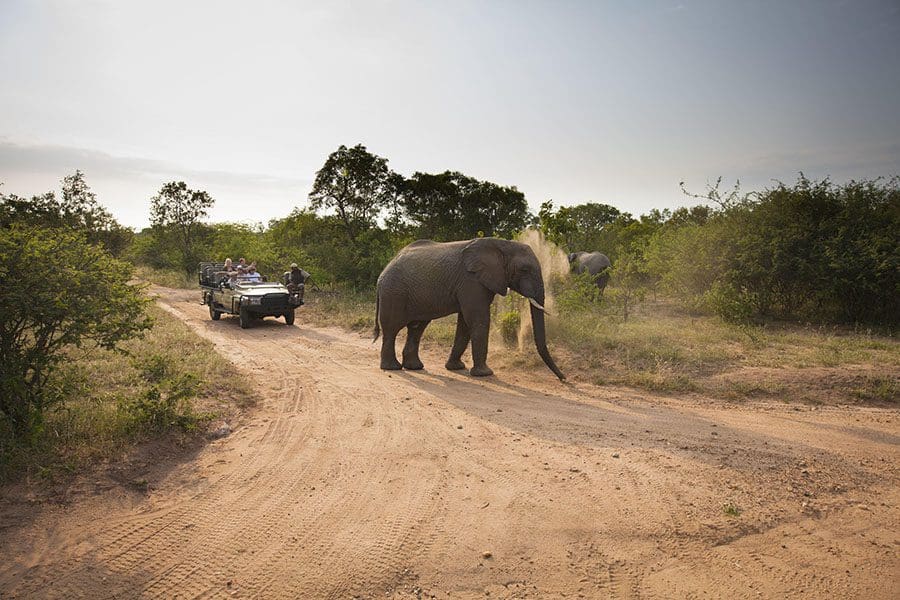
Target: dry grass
166 277
665 349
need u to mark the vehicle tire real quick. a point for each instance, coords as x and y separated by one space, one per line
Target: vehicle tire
289 317
214 314
245 318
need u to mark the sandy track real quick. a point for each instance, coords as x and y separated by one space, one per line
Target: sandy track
351 482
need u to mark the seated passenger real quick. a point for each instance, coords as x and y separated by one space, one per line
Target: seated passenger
227 273
252 275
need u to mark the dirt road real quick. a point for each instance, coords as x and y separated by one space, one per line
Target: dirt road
351 482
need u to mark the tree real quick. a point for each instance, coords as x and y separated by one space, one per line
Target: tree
357 184
175 213
577 227
78 210
81 211
453 206
58 291
319 243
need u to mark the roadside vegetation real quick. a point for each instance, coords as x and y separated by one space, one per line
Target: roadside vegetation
791 292
88 366
168 383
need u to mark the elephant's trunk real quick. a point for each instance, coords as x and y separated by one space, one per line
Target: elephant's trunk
540 339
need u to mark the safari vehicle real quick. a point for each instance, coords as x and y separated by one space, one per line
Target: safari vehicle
247 299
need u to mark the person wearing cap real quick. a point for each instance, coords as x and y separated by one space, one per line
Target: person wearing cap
295 280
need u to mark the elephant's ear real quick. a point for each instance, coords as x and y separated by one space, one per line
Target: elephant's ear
486 260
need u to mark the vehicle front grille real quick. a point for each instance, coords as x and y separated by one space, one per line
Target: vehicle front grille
274 301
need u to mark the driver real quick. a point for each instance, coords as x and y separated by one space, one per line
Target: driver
295 280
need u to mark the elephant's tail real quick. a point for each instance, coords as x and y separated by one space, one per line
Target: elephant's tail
377 326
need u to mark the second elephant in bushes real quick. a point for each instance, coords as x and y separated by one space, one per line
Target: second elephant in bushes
595 263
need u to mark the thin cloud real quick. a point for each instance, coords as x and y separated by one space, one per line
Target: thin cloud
126 184
37 158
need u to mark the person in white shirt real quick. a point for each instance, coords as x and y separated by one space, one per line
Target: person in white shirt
252 275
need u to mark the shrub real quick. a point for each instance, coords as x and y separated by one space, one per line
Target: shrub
509 327
730 304
164 405
579 294
58 291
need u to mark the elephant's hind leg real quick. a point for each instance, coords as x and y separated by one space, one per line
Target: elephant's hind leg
414 333
455 363
389 360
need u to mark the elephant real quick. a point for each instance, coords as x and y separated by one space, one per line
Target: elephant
428 280
595 263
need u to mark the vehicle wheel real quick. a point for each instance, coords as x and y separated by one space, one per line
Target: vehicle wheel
214 314
245 318
289 317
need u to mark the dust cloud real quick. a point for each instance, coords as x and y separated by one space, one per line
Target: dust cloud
554 265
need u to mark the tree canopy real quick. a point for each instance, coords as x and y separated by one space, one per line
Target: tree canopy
453 206
78 210
577 227
357 184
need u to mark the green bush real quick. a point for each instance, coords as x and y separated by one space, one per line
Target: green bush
731 305
164 406
166 403
580 293
820 251
509 327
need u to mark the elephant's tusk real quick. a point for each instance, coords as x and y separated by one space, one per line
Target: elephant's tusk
535 304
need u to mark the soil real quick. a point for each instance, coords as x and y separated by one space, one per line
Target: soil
349 482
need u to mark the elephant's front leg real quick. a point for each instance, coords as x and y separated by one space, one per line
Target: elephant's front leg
414 333
455 363
479 328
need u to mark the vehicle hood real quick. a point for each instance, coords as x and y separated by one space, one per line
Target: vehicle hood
260 289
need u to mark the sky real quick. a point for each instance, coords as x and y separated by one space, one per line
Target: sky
574 102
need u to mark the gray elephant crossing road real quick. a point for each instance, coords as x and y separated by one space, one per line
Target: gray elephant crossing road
428 280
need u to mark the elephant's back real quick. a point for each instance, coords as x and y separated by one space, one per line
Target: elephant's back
602 260
423 278
594 262
432 248
423 263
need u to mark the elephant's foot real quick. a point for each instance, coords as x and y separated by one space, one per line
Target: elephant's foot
455 364
482 371
413 364
390 365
